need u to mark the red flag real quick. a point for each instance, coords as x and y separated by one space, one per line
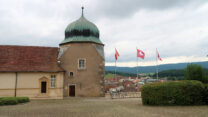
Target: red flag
116 54
140 54
158 56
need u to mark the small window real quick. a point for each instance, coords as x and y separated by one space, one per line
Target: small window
53 81
71 74
82 63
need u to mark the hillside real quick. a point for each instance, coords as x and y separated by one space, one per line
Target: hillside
151 69
110 74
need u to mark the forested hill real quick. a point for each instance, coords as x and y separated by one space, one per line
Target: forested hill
151 69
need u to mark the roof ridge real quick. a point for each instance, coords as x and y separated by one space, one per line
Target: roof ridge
26 46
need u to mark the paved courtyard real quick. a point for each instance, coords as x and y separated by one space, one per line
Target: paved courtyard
99 107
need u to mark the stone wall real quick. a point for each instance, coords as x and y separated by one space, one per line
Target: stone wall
89 82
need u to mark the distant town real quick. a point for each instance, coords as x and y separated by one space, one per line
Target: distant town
131 83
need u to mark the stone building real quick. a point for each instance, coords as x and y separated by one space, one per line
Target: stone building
75 68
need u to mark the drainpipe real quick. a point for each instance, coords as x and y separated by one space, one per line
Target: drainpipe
64 76
15 90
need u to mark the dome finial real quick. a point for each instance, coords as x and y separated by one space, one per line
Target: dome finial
82 11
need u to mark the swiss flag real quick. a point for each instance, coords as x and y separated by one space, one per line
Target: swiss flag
158 56
140 54
116 54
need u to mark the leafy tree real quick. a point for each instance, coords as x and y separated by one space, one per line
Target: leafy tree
175 78
195 72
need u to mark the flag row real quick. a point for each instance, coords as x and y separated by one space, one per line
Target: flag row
140 54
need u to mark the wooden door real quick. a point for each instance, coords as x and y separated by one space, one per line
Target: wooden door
72 90
43 87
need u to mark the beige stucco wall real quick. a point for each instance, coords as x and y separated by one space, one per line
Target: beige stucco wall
7 84
90 81
28 84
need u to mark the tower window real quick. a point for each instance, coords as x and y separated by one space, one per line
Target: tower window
71 74
53 81
82 64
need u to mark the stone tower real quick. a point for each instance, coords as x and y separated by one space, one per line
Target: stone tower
81 55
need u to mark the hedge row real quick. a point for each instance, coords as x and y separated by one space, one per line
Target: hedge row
205 94
13 100
174 93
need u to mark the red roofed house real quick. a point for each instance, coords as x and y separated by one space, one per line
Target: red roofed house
29 71
75 68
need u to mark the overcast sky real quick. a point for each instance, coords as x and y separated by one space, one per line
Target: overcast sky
177 28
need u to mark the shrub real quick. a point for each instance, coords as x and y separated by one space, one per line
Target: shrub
195 72
13 100
23 99
8 101
173 93
205 94
1 103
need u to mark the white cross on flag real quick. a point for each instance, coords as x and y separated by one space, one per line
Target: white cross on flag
140 54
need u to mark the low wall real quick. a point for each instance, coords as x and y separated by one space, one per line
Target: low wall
123 95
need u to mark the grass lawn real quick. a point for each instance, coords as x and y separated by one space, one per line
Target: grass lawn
99 107
109 76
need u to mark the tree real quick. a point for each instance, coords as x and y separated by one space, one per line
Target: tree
195 72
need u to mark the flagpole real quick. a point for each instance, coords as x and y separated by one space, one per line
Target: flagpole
115 65
137 63
157 64
115 71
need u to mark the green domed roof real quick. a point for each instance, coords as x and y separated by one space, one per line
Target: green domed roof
81 30
81 24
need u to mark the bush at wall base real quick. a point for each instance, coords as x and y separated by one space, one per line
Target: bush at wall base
13 100
205 94
22 99
188 92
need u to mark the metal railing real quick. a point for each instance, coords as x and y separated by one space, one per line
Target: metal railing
119 95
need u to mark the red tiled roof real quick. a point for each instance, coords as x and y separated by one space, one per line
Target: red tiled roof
28 59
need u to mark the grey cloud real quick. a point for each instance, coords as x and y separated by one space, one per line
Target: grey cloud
125 8
42 23
30 40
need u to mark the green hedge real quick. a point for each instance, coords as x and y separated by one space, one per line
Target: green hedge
173 93
22 99
8 101
205 94
13 100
